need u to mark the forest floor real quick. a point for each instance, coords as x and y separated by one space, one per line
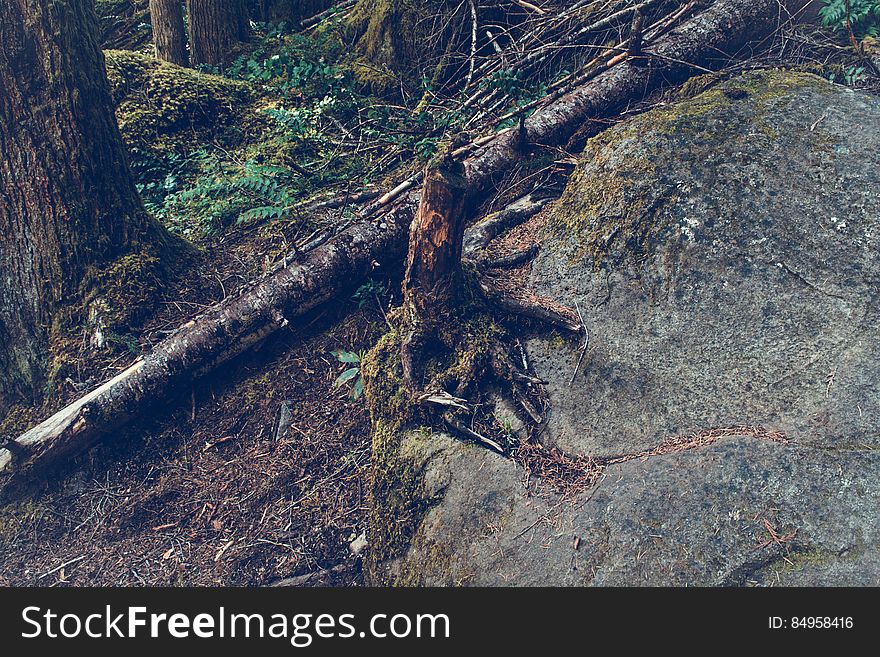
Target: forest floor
212 493
208 491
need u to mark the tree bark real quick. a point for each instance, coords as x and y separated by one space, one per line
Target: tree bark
290 11
214 28
237 323
169 31
433 266
67 199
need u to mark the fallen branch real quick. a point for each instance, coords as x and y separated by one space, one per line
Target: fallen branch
264 307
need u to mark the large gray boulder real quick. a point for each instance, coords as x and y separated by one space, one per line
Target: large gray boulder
724 251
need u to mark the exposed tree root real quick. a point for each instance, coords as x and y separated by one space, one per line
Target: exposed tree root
565 474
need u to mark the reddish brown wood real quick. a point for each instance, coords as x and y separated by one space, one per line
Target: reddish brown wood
433 266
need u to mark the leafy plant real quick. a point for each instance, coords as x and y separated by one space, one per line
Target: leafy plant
864 16
851 75
369 290
512 83
221 193
353 373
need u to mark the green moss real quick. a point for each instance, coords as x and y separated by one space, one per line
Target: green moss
126 289
800 559
117 297
258 389
615 198
156 102
18 420
395 38
16 515
698 84
399 498
557 341
610 202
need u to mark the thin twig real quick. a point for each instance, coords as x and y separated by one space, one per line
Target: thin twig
584 348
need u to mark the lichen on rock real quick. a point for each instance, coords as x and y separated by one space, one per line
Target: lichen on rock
613 202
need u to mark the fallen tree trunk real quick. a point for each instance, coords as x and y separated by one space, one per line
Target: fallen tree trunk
231 327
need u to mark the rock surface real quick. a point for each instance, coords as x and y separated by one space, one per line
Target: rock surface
724 252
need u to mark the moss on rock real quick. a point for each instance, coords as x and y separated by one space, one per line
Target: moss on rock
157 101
397 499
628 174
399 495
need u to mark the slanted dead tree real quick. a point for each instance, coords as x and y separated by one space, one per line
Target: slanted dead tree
264 307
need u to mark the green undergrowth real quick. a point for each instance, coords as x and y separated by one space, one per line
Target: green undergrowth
212 149
115 300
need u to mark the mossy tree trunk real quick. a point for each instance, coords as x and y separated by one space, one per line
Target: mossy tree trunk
68 203
214 28
402 40
169 31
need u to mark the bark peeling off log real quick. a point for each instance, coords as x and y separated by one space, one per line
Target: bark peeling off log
433 264
232 326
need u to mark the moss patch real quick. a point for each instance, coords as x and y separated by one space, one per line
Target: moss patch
18 420
127 289
394 39
399 498
627 178
16 515
157 101
114 298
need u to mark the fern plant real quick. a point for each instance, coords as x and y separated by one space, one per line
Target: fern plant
225 193
864 16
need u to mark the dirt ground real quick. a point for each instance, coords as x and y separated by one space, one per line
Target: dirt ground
208 495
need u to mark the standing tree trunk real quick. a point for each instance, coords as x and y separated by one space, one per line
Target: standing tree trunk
68 204
289 11
169 32
242 20
214 27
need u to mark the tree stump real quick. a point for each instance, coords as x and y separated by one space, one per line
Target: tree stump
433 281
